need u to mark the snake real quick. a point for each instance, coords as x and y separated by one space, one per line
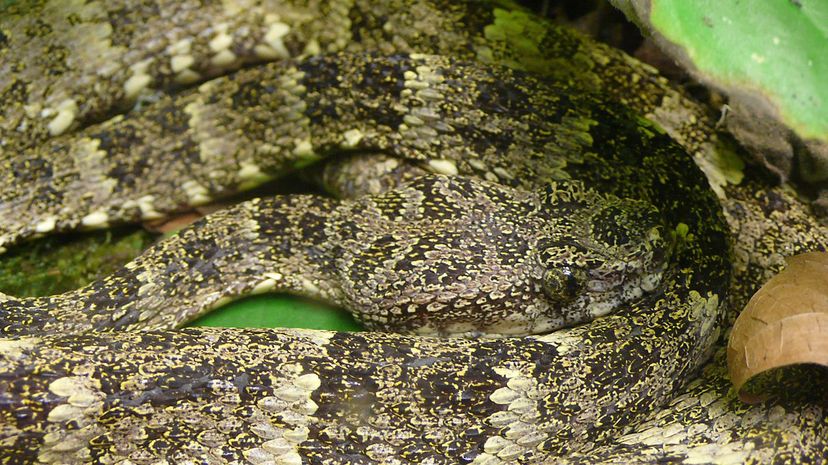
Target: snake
480 171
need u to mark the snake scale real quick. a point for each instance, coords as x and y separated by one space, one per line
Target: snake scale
501 98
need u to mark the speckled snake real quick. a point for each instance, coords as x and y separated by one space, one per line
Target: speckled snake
514 105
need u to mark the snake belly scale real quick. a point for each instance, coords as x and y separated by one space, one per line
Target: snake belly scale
145 393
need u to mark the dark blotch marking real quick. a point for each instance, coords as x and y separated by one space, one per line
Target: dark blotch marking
268 220
771 202
483 141
172 119
117 139
249 94
18 92
377 82
385 77
128 173
500 97
360 21
313 228
127 170
32 170
382 82
321 74
38 28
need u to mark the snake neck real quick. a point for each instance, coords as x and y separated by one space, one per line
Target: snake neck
273 245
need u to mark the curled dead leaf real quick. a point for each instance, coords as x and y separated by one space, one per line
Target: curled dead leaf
785 323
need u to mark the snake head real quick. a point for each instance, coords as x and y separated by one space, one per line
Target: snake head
449 255
600 253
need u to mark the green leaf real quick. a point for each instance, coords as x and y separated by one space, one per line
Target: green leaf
279 311
772 50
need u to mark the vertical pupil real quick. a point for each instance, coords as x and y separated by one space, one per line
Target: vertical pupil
571 283
562 283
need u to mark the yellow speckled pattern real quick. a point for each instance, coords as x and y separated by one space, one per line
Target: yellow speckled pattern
482 90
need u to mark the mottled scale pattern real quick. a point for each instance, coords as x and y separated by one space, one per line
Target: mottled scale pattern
236 132
117 46
95 98
440 255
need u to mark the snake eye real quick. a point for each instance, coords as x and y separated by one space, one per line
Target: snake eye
562 284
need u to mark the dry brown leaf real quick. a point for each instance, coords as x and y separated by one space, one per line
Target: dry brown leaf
785 322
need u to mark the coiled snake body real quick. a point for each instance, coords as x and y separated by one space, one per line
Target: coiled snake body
559 167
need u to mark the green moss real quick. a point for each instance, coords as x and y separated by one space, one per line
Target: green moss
682 233
516 39
728 162
60 263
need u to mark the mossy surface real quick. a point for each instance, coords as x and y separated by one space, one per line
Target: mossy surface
58 264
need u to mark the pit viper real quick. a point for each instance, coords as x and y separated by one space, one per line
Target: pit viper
510 184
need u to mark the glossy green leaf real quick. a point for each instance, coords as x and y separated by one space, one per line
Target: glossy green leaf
279 311
777 48
774 50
